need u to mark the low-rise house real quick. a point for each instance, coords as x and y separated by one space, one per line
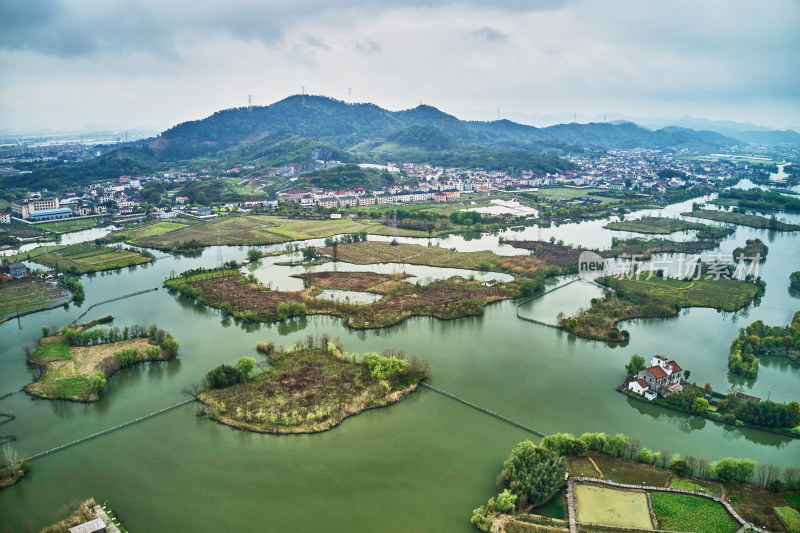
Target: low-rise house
18 270
5 218
663 376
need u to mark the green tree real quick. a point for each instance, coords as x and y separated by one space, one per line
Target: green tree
679 466
635 364
533 473
253 254
245 365
699 405
97 382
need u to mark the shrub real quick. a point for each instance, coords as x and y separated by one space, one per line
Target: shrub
533 473
222 376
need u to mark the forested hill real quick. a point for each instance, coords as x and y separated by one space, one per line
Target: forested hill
348 125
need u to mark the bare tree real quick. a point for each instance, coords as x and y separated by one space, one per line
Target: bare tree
761 475
772 474
703 467
691 462
790 477
664 456
634 445
192 390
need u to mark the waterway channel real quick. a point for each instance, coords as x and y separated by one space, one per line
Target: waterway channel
420 465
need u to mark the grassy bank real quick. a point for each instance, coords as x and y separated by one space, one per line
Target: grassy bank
742 219
241 297
654 298
312 388
76 362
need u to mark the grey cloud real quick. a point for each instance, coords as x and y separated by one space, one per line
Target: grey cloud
317 42
490 34
71 28
367 46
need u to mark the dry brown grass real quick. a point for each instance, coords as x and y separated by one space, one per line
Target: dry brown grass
88 358
84 512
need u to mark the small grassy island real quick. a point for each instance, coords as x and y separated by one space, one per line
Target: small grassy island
760 339
654 298
13 467
77 360
664 226
244 298
742 219
309 388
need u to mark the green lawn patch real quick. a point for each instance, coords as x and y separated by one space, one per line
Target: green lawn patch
311 388
52 348
793 498
680 512
687 485
613 507
149 230
790 517
365 253
68 225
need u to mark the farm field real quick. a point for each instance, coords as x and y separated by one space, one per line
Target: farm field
300 229
68 225
680 512
83 258
30 294
602 505
149 230
254 230
569 192
364 253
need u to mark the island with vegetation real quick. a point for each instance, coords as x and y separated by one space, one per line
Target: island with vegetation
308 388
75 362
753 249
760 339
758 200
742 219
244 298
733 409
617 484
12 466
664 226
649 295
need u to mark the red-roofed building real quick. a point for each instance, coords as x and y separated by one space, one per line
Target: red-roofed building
662 375
5 218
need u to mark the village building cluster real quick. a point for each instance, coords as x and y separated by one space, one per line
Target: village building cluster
638 169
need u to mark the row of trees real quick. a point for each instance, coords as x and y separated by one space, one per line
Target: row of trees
725 470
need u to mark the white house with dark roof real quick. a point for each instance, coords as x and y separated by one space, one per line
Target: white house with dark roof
663 376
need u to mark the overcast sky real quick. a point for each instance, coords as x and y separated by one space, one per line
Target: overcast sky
72 64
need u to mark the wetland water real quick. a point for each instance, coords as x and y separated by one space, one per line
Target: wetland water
420 465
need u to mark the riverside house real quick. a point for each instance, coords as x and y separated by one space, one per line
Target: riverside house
662 378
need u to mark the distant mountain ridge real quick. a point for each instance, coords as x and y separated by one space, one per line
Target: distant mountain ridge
346 126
